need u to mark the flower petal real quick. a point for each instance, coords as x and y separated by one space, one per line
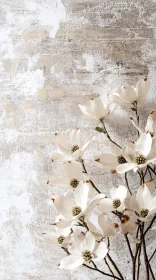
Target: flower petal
136 126
96 108
57 157
75 137
81 195
144 197
116 151
142 88
129 152
72 170
108 161
125 167
107 226
106 205
100 252
86 146
85 112
49 238
118 192
64 205
89 242
127 94
61 143
143 144
71 262
60 182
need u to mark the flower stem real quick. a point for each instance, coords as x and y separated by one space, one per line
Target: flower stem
85 171
108 136
115 266
102 272
126 179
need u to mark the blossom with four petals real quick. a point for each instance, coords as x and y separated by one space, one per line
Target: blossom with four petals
73 149
85 250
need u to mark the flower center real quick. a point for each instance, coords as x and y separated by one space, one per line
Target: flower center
121 159
60 239
140 160
144 212
75 148
76 210
86 255
116 203
74 183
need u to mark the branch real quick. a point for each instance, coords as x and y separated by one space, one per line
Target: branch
152 255
115 266
129 246
107 134
102 272
126 179
85 171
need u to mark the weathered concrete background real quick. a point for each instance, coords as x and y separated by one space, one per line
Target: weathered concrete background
54 55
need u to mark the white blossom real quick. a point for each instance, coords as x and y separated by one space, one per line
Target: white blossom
57 236
71 209
85 250
96 110
116 202
71 149
143 203
150 125
132 96
110 161
138 154
72 176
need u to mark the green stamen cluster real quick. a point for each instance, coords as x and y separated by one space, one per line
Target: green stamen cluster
86 255
116 203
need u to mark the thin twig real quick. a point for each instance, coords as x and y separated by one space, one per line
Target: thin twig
107 134
152 255
111 271
145 257
85 171
102 272
152 169
115 266
129 246
126 179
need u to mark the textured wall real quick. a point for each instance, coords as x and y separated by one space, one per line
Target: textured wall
54 55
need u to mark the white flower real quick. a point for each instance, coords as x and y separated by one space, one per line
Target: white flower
85 250
111 161
72 176
72 209
138 154
150 125
57 236
130 95
96 110
108 227
71 149
116 202
143 203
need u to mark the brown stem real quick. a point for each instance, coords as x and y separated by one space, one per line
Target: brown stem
85 171
129 247
115 266
126 179
107 134
100 271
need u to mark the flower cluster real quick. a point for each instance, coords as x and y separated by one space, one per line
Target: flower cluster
88 218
